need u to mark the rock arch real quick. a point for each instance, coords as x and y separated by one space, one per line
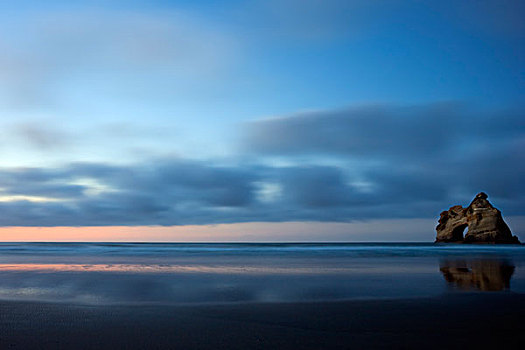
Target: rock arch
485 224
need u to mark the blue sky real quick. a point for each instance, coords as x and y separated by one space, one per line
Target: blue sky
206 112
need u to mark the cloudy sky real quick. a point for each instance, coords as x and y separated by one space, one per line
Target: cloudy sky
346 120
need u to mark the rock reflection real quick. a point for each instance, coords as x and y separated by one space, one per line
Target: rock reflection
478 274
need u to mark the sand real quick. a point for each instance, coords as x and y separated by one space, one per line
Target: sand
453 321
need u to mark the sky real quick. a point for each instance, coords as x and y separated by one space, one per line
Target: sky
302 120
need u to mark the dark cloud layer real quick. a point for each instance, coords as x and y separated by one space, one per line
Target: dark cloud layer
408 152
385 131
386 162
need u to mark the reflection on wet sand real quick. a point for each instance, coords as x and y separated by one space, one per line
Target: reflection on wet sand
478 274
208 269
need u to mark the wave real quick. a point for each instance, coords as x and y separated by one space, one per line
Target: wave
315 249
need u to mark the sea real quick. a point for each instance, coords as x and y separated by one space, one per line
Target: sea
219 273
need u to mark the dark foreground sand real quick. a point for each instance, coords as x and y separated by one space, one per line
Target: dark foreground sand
454 321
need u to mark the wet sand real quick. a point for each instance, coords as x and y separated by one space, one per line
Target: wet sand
451 321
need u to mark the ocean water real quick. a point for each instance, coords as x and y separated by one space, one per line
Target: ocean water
195 273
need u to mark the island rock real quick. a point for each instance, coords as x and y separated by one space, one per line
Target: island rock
485 224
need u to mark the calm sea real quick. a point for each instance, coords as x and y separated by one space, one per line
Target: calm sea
187 273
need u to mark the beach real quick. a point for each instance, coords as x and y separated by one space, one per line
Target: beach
453 322
261 296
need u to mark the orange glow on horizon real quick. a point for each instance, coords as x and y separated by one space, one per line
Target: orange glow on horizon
394 230
254 231
113 233
378 230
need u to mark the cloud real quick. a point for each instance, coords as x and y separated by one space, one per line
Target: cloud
383 131
315 187
494 17
322 20
45 52
169 192
378 162
318 19
404 153
425 134
41 137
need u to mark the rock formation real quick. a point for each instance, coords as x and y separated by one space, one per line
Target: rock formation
485 224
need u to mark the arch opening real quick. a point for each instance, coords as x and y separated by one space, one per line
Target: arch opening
457 233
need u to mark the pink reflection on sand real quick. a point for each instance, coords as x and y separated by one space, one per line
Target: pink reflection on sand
164 268
154 268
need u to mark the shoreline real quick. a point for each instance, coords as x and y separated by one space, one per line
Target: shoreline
452 320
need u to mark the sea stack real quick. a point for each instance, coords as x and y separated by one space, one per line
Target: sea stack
485 224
